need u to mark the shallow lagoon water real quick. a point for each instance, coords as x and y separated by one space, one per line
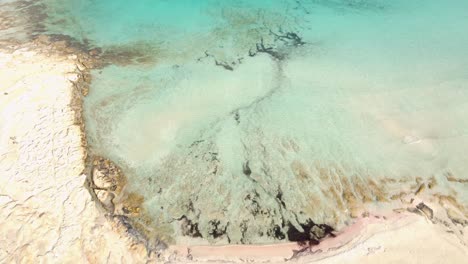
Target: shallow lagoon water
349 103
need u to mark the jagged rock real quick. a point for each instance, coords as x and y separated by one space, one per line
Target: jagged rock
246 168
456 217
106 175
105 198
421 188
81 66
426 210
101 180
129 204
317 232
218 229
188 228
276 233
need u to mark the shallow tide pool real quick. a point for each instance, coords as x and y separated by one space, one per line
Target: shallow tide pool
245 119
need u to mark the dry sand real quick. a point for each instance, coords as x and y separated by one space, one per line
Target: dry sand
47 214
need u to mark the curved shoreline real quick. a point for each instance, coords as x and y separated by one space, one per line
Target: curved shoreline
276 252
47 210
43 54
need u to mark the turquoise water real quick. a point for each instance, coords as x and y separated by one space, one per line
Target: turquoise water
344 105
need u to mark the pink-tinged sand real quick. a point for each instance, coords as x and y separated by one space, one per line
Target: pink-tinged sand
391 238
283 251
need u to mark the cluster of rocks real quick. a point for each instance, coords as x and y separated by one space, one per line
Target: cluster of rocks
107 182
312 233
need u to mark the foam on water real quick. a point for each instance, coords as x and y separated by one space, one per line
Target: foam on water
243 143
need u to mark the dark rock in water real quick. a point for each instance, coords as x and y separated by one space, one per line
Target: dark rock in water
279 197
317 233
426 210
246 169
225 65
328 230
276 233
217 230
237 117
296 235
189 228
312 233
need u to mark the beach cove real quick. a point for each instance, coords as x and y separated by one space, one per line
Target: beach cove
44 154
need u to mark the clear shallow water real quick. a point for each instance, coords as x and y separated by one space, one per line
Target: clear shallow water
374 98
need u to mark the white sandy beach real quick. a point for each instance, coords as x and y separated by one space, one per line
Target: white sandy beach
47 214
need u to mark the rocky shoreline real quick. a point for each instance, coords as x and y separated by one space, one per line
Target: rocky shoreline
104 179
47 212
46 205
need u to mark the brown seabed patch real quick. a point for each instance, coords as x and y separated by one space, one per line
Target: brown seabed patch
107 184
